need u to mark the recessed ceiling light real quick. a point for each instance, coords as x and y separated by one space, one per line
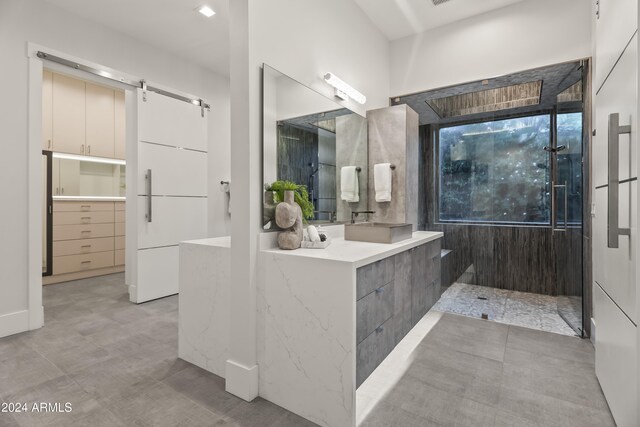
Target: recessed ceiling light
206 11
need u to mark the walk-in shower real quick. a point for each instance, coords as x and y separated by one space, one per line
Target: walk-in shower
504 178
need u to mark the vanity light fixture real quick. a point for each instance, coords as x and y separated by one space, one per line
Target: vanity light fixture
88 159
343 90
206 11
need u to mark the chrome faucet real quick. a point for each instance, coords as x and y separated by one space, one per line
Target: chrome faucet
354 215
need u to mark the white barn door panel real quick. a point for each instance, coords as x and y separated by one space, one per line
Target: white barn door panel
171 190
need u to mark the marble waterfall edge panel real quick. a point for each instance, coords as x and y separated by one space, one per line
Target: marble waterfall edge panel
306 336
204 314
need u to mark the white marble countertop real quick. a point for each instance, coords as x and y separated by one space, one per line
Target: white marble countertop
222 242
360 253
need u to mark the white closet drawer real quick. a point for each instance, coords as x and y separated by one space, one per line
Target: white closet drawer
119 242
59 206
73 263
119 257
89 231
119 216
83 246
78 218
119 229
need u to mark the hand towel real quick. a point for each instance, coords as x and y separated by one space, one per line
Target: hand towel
349 185
382 181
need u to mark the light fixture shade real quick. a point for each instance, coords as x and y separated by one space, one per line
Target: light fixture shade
344 88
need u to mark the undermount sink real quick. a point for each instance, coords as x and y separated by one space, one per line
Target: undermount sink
377 232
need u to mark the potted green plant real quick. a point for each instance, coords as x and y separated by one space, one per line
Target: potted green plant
301 196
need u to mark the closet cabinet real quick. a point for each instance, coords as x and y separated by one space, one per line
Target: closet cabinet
68 115
88 239
47 110
83 118
100 110
119 128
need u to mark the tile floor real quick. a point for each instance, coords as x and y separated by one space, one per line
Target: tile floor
503 306
470 372
117 364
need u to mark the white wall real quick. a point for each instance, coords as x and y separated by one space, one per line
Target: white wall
303 39
525 35
44 24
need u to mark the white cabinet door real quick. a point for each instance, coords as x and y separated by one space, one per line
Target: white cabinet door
617 22
68 114
614 268
47 110
172 145
616 359
618 95
100 103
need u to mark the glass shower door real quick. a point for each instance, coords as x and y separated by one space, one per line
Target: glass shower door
568 221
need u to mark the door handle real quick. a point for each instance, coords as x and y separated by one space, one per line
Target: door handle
148 214
566 205
613 189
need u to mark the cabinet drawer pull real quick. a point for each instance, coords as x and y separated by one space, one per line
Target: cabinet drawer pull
85 219
85 232
85 207
85 262
379 291
86 246
379 329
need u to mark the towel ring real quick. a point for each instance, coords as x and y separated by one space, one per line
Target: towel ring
224 182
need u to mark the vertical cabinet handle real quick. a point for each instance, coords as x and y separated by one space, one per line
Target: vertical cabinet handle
613 197
89 148
82 148
147 178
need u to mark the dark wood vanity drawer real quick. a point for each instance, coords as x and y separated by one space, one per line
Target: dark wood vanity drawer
372 351
372 276
433 248
373 310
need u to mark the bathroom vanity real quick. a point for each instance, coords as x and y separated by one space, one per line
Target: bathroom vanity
327 318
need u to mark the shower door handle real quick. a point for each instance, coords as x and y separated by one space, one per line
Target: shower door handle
147 179
554 207
613 180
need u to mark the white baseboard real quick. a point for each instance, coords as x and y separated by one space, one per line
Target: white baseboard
133 294
14 323
242 381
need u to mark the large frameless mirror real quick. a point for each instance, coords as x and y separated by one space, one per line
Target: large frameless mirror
309 141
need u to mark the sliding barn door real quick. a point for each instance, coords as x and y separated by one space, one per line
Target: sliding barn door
171 190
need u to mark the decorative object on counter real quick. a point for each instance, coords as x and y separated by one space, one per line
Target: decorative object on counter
301 196
313 234
269 211
289 218
382 181
315 238
226 187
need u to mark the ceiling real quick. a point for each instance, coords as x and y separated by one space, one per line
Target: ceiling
170 25
555 80
401 18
